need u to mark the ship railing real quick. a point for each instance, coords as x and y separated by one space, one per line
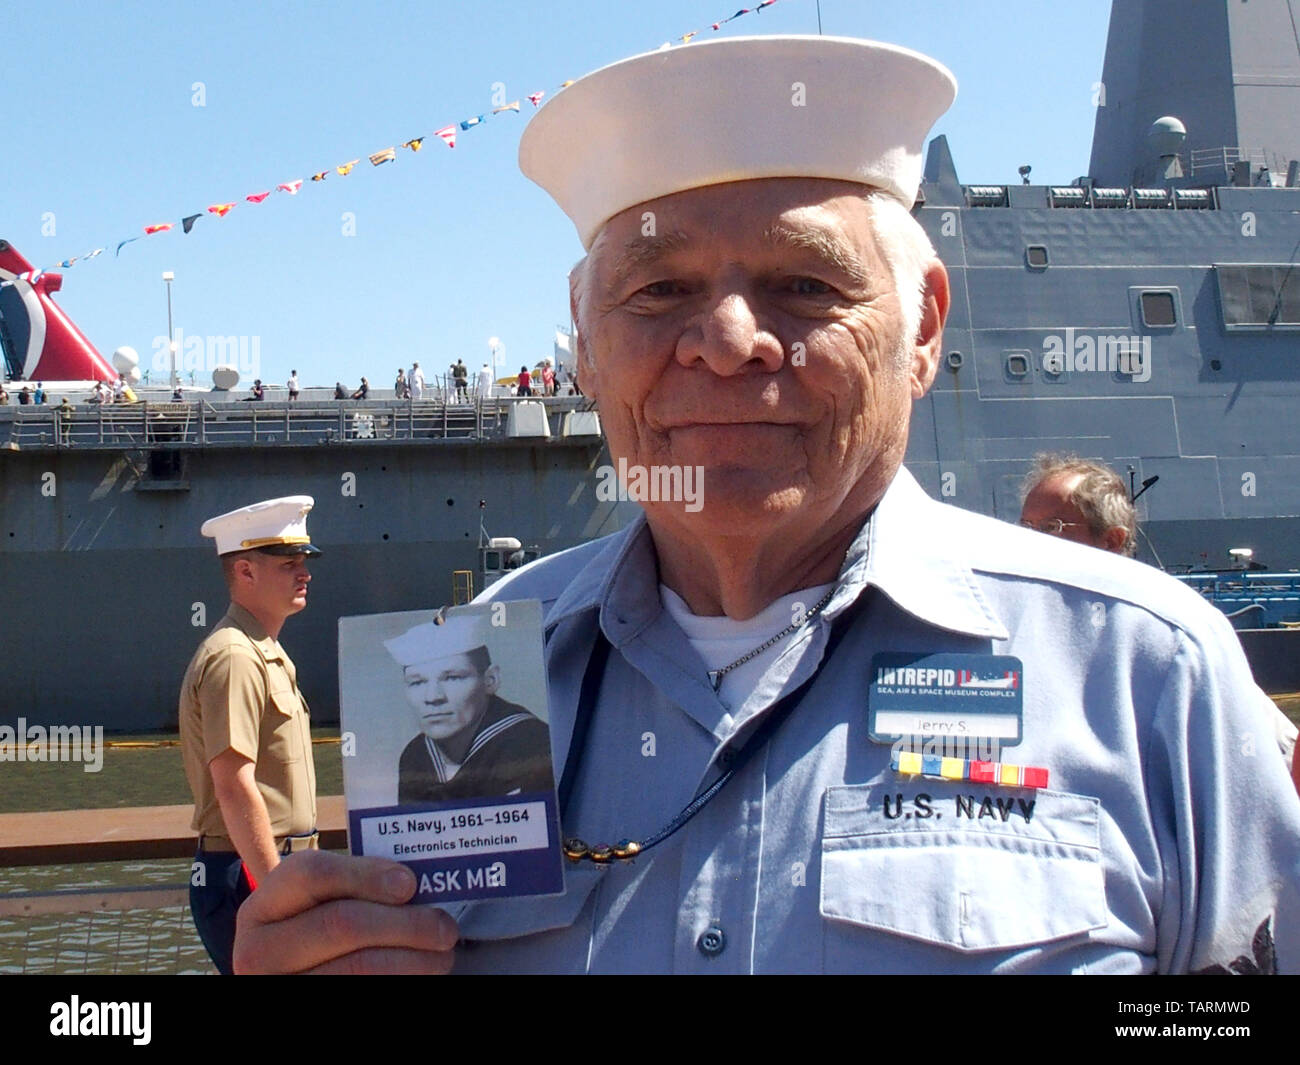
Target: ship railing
203 423
346 421
1224 158
104 425
1263 600
1243 583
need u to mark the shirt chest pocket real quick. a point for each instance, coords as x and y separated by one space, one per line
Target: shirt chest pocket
962 867
284 725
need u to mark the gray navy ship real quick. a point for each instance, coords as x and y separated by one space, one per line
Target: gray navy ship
1146 314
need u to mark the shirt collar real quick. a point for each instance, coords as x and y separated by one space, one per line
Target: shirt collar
908 550
255 631
905 549
627 562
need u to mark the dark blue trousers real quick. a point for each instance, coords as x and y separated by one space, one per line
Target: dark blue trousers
215 903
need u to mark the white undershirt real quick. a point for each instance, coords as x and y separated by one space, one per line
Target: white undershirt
721 640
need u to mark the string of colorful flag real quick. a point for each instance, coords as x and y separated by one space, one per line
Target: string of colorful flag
447 134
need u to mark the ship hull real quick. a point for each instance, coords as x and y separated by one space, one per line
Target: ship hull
108 587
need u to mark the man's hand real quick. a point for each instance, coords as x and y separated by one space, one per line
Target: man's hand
331 913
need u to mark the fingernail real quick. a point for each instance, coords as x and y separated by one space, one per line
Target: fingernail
450 929
398 883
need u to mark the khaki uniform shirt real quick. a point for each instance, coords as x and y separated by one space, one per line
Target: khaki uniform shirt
241 693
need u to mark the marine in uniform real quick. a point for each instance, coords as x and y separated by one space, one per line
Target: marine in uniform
757 303
245 728
471 741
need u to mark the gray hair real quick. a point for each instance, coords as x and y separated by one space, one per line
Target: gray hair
1100 495
907 252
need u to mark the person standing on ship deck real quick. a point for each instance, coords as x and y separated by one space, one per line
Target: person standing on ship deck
245 728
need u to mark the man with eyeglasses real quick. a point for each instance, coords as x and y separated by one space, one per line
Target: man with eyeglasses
1087 502
1081 501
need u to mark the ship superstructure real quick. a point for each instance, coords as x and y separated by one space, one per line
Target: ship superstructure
1147 314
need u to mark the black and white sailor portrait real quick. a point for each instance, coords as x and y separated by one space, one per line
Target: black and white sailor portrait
444 707
471 742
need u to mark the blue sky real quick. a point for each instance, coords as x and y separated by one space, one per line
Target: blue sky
450 247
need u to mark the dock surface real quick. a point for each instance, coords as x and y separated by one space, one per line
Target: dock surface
126 833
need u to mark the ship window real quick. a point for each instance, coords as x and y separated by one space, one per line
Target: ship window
1017 363
955 359
1158 309
1260 296
1036 256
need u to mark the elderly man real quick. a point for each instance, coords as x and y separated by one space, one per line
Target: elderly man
758 303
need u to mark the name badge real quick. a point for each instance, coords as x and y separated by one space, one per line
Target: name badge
952 696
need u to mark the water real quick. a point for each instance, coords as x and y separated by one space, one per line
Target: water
116 942
138 770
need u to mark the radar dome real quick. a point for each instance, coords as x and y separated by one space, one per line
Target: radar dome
124 359
1166 135
131 376
224 378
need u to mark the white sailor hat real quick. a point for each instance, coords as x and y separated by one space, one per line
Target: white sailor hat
276 527
457 635
734 110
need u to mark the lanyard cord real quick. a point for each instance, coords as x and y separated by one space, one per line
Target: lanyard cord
733 760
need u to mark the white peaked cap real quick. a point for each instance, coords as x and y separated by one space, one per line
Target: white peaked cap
278 526
734 110
457 635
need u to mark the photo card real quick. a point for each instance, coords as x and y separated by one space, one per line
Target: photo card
447 764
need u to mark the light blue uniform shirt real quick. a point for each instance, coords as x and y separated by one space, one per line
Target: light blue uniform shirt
1169 838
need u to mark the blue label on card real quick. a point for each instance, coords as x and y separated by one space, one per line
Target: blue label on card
957 697
468 850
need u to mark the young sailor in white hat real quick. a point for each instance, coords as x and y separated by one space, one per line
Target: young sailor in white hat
471 742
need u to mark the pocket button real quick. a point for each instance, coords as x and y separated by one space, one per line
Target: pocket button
712 941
